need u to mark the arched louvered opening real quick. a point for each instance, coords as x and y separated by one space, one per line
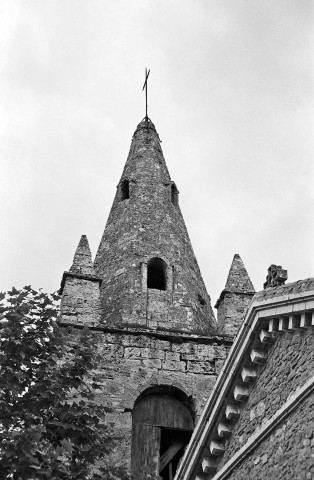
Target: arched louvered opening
157 274
125 190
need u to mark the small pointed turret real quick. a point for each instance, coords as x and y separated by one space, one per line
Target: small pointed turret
80 289
82 262
238 279
150 274
235 297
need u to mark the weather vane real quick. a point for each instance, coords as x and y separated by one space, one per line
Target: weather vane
145 86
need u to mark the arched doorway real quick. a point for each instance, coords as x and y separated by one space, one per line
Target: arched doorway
162 424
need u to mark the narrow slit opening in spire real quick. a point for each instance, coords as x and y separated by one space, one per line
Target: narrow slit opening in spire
174 194
201 300
125 190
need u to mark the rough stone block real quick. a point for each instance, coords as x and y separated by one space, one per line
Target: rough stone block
162 345
200 367
135 341
110 352
152 353
219 365
132 352
185 348
172 356
173 365
154 363
206 351
132 365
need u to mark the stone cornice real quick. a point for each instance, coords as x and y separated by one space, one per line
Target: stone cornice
235 292
294 400
268 317
173 336
65 275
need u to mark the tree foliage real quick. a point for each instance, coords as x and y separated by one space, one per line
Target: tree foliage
51 426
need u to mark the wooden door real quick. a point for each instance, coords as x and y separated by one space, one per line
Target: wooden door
162 426
163 411
145 451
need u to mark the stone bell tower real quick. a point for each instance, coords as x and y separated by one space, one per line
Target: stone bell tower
150 276
145 299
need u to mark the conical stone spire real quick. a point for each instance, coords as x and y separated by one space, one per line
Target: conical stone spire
145 259
238 279
82 262
235 297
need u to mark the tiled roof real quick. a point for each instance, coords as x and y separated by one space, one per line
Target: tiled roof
288 288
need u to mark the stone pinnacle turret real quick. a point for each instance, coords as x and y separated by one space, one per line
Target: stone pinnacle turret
80 302
82 262
235 297
145 259
238 280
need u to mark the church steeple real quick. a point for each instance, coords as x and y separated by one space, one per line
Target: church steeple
155 335
150 274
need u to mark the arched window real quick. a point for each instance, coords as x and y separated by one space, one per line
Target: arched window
156 274
174 194
125 191
162 424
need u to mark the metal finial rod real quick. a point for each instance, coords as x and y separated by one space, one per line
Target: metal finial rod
145 86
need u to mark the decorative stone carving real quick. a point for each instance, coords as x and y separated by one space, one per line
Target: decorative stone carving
276 276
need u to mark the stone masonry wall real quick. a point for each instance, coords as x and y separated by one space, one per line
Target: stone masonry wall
231 312
287 453
80 303
130 363
290 363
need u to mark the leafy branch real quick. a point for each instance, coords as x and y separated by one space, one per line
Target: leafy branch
51 426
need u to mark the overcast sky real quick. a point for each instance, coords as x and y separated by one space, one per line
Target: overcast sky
230 93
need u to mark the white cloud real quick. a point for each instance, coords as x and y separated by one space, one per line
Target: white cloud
230 93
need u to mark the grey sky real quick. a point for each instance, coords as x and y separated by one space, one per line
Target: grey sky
230 93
